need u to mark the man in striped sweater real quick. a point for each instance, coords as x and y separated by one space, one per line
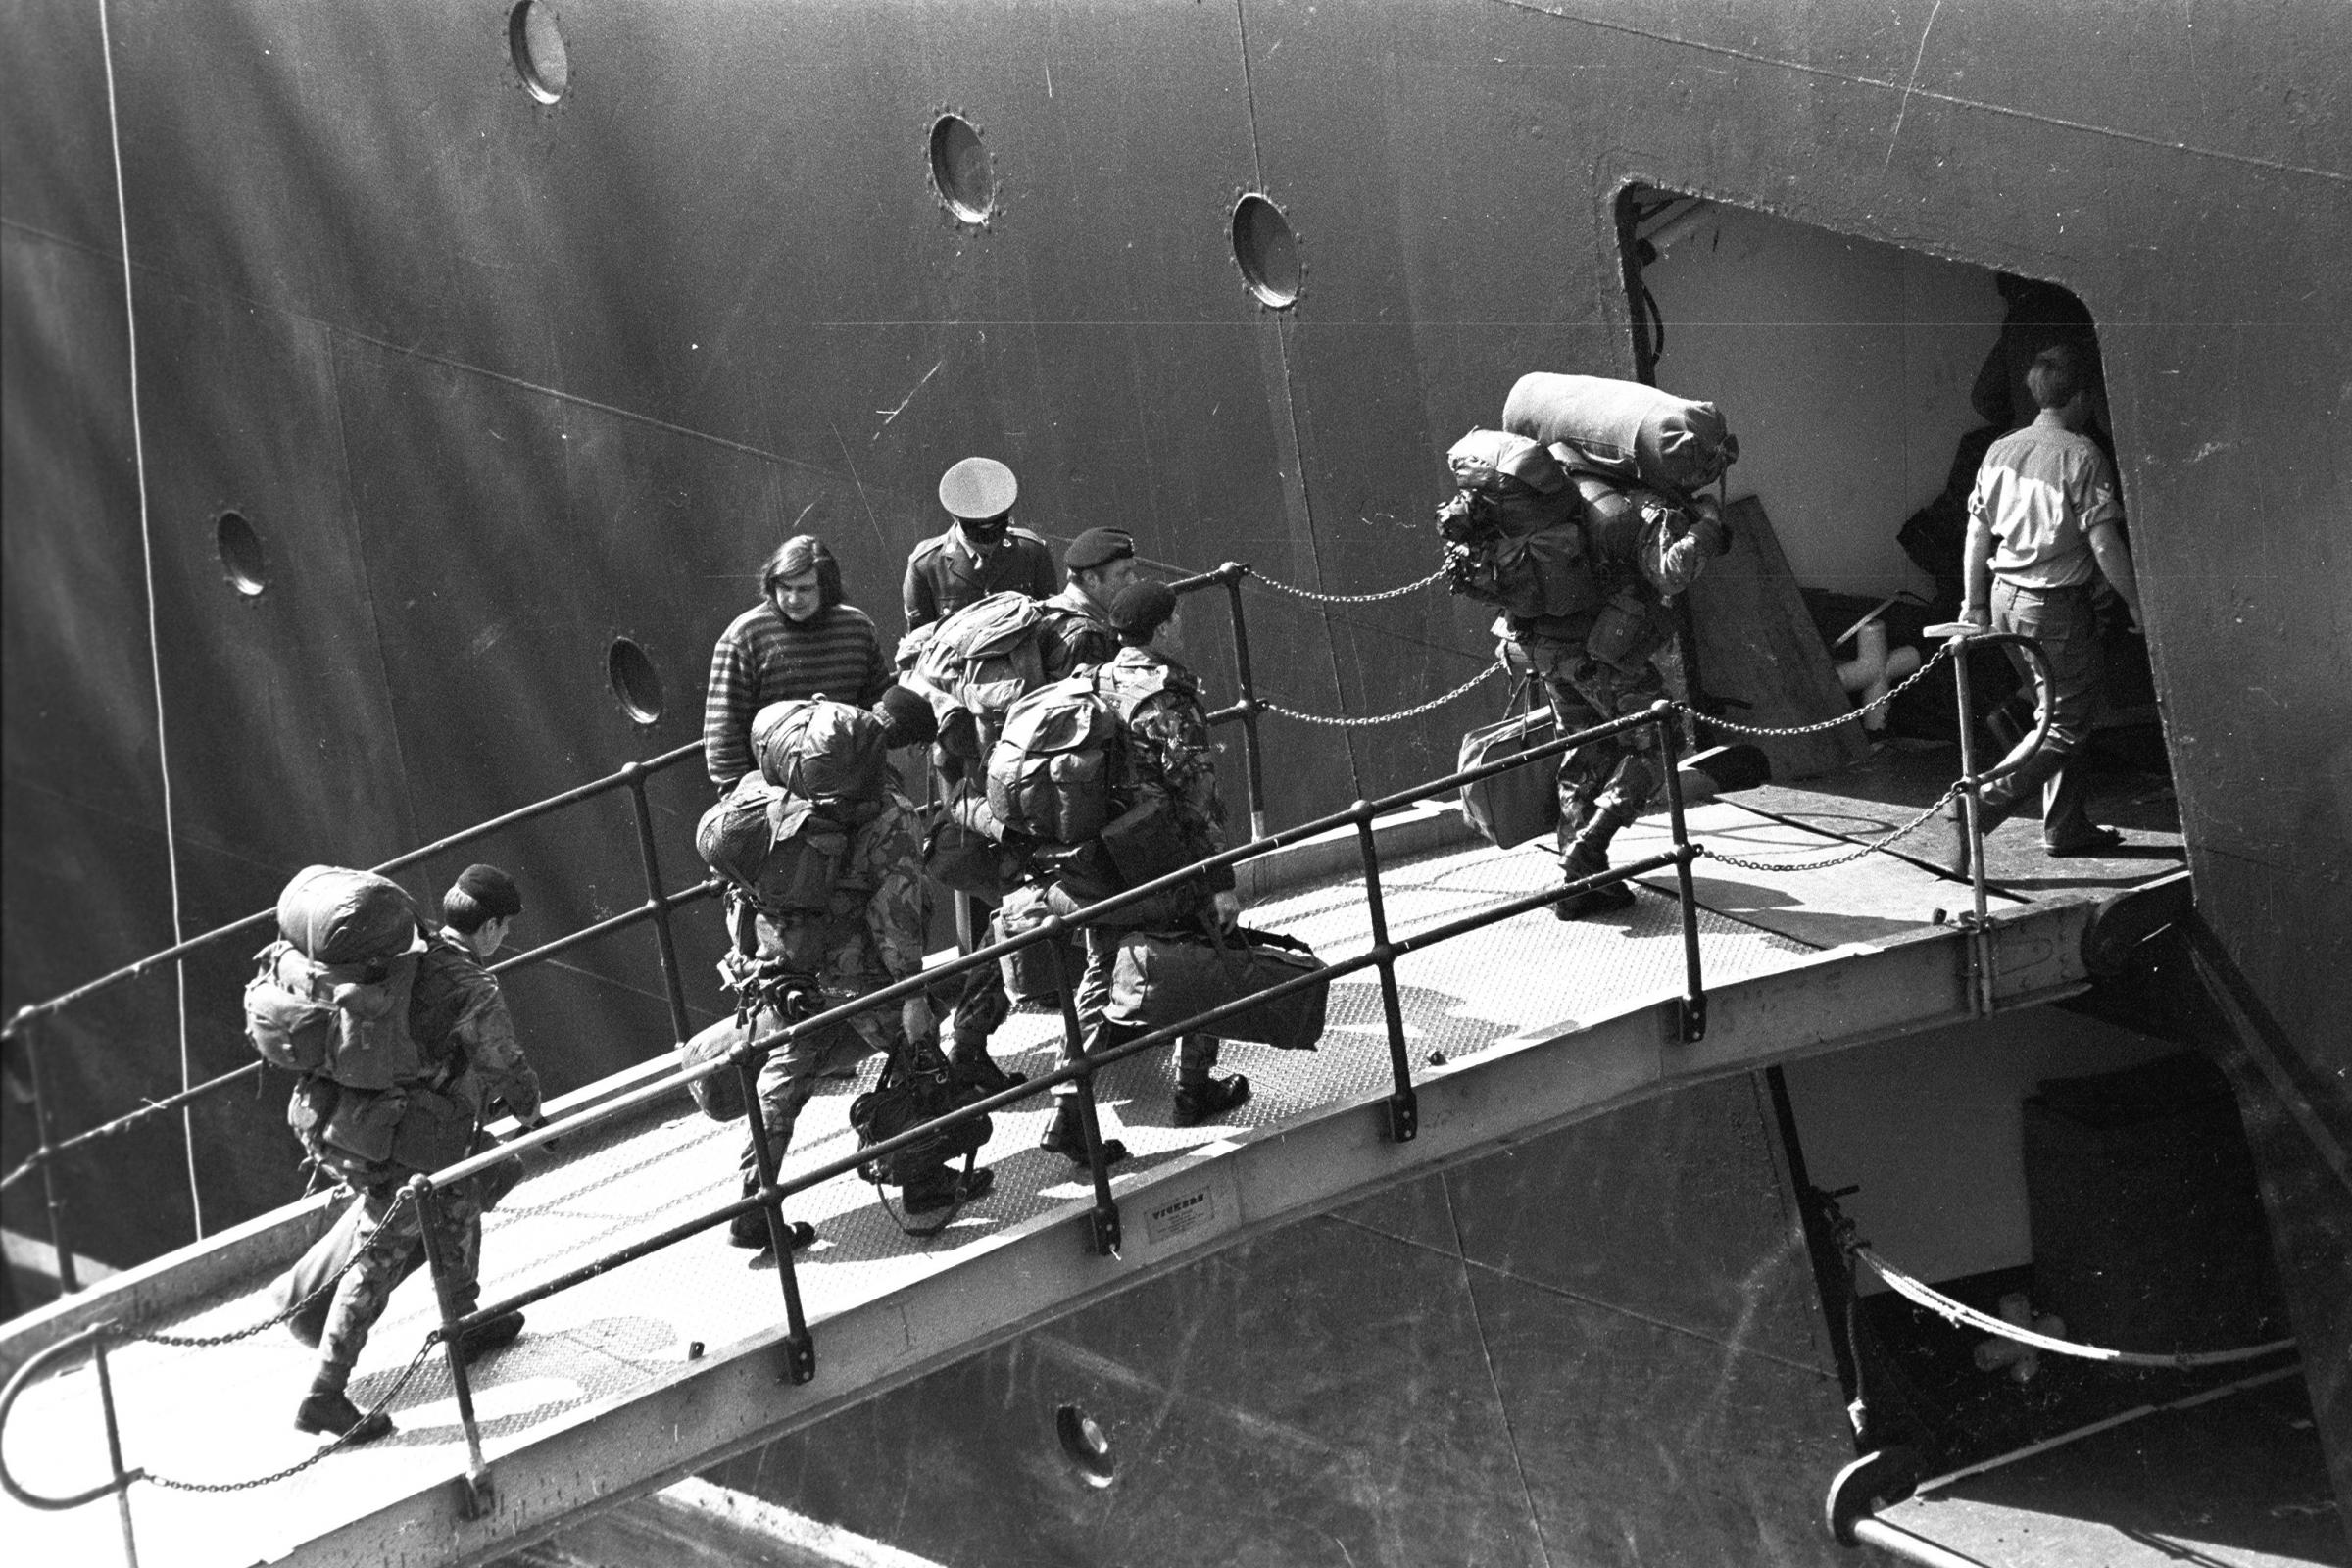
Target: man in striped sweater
803 639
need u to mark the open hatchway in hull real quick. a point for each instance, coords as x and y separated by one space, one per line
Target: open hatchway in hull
498 372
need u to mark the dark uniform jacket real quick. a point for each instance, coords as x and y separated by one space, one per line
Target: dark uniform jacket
944 574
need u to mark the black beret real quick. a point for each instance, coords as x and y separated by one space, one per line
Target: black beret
908 720
492 891
1141 609
1097 547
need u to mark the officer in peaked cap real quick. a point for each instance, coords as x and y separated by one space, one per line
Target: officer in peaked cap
982 552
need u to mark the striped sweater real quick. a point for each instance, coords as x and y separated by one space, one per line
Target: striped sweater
762 658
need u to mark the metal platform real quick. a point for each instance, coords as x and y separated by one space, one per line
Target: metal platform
659 1368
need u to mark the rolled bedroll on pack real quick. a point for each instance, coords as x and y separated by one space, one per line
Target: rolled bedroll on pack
1624 428
338 917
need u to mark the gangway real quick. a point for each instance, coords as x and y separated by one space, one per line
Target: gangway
1463 1018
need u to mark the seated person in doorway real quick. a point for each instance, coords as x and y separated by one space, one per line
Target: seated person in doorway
2043 528
802 639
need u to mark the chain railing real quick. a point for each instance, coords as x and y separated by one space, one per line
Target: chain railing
1081 1063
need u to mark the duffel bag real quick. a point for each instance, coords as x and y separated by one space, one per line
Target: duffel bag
1624 428
340 916
906 1098
1521 803
718 1097
1162 979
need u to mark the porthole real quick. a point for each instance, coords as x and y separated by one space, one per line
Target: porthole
242 559
635 682
1083 1440
960 170
536 43
1265 250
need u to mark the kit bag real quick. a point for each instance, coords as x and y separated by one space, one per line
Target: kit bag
1165 978
718 1097
337 917
1049 775
906 1096
347 1021
1513 529
979 661
1626 428
1521 803
785 852
962 848
830 754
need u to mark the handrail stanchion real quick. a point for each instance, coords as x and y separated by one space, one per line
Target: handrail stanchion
634 775
114 1452
1693 1011
1405 1106
477 1500
1980 947
799 1345
68 1280
1253 759
1106 1216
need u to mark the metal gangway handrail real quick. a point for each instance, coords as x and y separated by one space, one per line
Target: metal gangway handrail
23 1026
1078 1071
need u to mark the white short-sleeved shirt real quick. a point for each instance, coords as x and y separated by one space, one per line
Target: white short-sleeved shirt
2041 490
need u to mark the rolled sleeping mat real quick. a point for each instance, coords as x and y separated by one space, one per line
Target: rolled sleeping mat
1624 429
340 916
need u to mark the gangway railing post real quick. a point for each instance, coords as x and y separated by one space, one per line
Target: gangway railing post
1692 1020
1405 1106
1979 945
114 1452
634 775
476 1500
1106 1215
1252 758
28 1031
799 1345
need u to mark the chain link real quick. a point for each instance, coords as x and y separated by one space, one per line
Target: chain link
1344 723
1347 598
375 1411
1907 829
200 1341
1892 692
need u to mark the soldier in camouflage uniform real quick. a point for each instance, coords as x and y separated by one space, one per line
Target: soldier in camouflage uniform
872 936
1645 548
1166 753
460 1023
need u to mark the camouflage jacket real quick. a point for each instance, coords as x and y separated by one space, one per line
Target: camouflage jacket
1167 751
458 1015
873 934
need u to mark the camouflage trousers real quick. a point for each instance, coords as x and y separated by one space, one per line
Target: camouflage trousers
1615 776
389 1251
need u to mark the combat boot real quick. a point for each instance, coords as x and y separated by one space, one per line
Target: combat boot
325 1409
1064 1136
496 1335
973 1065
1589 856
1210 1100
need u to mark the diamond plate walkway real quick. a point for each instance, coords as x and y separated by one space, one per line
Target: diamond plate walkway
661 1367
